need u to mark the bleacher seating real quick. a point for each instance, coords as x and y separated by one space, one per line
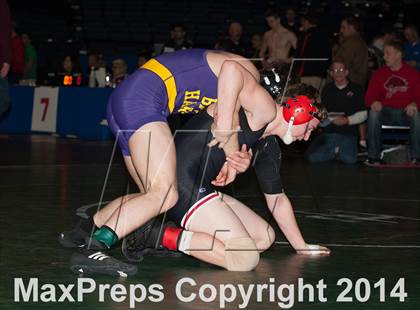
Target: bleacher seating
128 26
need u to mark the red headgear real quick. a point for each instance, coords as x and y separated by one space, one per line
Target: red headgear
301 108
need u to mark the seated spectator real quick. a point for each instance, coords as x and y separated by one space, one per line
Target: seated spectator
29 74
119 71
393 96
143 57
69 73
376 50
412 46
178 40
233 43
96 70
291 22
345 104
17 65
313 43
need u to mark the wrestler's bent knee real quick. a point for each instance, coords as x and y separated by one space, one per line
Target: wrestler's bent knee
241 254
167 194
266 240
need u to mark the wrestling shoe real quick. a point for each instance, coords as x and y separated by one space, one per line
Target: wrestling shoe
94 260
373 162
74 238
147 241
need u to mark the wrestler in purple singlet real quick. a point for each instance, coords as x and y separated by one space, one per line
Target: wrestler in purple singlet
144 96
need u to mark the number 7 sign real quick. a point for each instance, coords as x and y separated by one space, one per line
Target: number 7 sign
44 112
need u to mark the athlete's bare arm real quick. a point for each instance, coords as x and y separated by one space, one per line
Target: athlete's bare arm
238 86
282 211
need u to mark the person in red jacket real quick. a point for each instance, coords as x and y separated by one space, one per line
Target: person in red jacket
393 96
17 66
5 56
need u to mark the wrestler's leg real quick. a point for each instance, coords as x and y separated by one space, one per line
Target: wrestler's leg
259 230
77 236
105 213
231 246
153 158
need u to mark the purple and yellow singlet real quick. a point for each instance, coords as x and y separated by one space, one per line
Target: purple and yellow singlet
179 82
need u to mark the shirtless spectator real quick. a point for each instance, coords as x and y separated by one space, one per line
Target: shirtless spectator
276 42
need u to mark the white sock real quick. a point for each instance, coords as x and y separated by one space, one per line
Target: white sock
184 242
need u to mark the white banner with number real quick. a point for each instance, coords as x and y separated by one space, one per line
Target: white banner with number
44 112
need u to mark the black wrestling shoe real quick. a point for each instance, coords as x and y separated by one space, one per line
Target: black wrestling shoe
74 238
95 261
147 241
415 161
373 162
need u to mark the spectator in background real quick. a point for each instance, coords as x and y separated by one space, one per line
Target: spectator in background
5 55
346 108
17 65
412 46
376 50
313 43
256 43
277 42
119 71
234 42
69 73
29 74
380 40
291 23
393 96
97 70
178 40
95 61
353 51
143 57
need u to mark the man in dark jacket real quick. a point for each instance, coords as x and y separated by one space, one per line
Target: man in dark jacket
313 44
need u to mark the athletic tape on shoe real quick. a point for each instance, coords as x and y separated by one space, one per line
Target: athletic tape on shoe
241 254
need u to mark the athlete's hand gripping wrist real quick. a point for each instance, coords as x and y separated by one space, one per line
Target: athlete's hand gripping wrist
226 175
240 160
